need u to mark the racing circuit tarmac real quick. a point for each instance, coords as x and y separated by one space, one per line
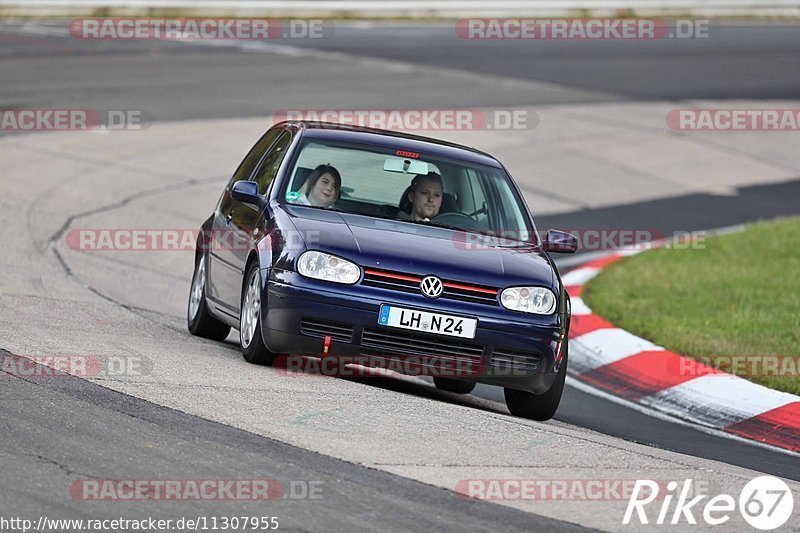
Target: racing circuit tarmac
383 450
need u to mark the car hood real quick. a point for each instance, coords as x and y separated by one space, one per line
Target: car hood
419 249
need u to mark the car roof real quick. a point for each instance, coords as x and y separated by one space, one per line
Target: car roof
393 139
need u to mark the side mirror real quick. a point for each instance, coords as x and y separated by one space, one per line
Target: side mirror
246 192
560 242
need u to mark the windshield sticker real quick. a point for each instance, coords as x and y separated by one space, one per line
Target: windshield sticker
292 196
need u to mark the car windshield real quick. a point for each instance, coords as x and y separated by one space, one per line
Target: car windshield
384 182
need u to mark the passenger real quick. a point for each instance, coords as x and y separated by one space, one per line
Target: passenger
425 197
322 187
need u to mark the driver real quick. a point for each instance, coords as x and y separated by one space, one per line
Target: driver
425 196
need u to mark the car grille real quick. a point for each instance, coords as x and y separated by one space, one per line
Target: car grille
424 345
315 327
453 290
515 359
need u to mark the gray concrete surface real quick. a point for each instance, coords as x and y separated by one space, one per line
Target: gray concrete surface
316 492
131 304
166 177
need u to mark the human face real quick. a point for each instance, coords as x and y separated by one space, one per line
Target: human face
325 191
426 200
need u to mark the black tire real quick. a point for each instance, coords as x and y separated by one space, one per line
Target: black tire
198 319
539 407
253 349
454 385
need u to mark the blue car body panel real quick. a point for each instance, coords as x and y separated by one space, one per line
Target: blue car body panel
280 232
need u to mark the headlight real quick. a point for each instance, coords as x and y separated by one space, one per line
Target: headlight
535 300
318 265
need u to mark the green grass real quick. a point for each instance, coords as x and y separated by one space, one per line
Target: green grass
735 294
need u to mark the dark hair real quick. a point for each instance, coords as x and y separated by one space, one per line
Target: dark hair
317 173
430 176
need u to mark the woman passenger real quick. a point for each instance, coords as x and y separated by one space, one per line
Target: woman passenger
322 187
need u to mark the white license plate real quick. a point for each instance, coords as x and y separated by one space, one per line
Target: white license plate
455 326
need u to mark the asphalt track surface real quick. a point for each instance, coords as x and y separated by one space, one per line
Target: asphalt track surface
157 442
169 79
175 81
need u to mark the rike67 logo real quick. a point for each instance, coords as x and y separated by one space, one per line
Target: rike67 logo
766 503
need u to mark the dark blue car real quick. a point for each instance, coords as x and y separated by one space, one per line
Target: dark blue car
345 243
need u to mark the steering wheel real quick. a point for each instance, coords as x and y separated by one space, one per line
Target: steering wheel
456 219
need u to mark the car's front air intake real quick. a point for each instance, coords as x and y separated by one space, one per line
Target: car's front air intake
315 327
424 345
515 360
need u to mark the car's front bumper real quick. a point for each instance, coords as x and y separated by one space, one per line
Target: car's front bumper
509 349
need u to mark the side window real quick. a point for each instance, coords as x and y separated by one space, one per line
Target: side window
272 161
252 158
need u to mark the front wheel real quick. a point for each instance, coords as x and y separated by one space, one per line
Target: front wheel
250 339
199 321
538 406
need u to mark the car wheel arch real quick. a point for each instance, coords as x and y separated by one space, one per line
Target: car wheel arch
252 256
263 258
202 237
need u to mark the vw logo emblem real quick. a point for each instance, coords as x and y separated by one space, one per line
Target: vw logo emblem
431 286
